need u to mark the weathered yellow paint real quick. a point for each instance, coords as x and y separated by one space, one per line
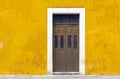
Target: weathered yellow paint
23 35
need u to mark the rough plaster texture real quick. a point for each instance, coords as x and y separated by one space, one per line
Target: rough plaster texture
23 35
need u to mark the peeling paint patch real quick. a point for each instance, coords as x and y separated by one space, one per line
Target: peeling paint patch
1 45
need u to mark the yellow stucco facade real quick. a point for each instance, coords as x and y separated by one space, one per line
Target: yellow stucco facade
23 35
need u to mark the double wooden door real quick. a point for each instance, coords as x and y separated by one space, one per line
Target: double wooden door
65 43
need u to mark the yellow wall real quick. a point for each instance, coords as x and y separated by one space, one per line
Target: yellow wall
23 35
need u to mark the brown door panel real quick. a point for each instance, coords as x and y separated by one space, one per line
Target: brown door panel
65 45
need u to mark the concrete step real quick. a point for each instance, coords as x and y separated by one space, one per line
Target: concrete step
59 76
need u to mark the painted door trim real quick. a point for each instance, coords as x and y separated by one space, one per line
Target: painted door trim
81 12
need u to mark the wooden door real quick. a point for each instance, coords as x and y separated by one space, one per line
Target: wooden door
65 43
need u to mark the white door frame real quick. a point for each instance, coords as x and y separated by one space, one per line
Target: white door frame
81 12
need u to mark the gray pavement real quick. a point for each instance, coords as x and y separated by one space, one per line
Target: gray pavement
59 76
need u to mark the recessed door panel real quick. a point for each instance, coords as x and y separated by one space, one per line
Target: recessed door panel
65 43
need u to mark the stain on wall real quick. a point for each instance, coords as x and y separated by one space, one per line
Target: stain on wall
23 35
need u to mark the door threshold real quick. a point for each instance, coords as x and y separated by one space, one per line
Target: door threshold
66 73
